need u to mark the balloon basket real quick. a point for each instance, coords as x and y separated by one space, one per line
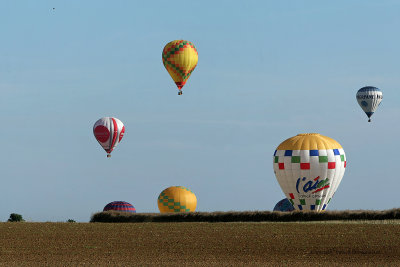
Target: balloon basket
108 156
369 120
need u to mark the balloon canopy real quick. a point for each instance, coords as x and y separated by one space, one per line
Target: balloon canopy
369 98
180 59
309 168
284 205
120 206
108 132
177 199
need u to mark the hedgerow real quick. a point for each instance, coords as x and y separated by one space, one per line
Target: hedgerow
245 216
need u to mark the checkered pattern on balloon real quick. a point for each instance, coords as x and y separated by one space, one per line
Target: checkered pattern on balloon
317 175
180 59
177 199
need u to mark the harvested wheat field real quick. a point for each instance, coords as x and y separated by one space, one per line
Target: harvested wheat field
200 244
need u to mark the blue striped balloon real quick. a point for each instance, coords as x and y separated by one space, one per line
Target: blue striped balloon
120 206
284 205
369 98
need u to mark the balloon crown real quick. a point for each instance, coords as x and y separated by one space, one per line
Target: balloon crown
305 134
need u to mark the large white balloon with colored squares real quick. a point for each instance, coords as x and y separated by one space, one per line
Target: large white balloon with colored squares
309 168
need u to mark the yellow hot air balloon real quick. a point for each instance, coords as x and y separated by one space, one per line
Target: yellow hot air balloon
180 58
177 199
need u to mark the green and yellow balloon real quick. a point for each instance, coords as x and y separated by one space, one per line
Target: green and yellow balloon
177 199
180 59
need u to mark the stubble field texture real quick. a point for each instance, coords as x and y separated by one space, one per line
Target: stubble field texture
367 243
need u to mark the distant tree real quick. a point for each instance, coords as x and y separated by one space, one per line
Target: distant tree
14 217
71 221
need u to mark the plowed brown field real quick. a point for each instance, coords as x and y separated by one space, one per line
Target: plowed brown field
199 244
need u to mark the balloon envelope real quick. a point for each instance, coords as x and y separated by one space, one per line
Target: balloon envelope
369 98
284 205
180 59
120 206
309 169
108 132
177 199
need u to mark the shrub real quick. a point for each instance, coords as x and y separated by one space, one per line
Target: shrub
246 216
14 217
71 221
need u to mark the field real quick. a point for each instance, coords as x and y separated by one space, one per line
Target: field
201 244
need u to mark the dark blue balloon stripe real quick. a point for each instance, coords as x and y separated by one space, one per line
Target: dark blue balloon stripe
368 89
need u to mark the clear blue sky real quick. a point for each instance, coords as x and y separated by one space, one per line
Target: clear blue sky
267 71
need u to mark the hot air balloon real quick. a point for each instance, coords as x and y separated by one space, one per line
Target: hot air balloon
284 205
120 206
177 199
180 58
309 168
108 132
369 98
